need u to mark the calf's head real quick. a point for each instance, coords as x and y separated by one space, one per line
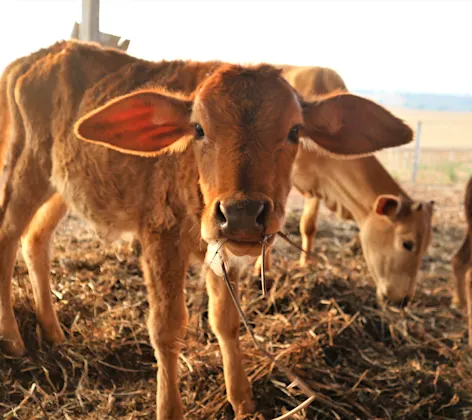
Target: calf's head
244 124
394 239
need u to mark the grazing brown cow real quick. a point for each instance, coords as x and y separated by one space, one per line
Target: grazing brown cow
394 229
187 145
462 263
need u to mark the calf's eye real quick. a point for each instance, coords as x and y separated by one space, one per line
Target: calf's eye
293 134
408 245
199 133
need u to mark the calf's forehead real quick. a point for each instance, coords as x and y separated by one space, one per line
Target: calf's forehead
417 223
247 97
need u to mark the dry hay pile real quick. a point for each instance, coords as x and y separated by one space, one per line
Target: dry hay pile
322 322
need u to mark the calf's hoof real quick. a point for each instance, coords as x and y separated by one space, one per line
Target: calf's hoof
12 343
53 333
245 408
170 411
458 303
306 262
242 400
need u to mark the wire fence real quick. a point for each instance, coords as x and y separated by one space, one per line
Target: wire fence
428 165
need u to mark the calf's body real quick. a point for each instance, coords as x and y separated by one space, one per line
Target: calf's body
180 154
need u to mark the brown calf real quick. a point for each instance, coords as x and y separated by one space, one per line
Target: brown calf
462 263
394 230
186 144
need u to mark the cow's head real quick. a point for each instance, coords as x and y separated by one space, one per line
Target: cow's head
394 239
244 124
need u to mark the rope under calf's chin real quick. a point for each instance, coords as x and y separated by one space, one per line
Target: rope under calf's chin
286 238
292 376
263 254
263 279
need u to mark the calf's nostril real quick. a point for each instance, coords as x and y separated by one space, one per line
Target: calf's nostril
242 217
261 214
220 214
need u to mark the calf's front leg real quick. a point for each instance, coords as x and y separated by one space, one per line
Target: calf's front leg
308 225
164 265
460 265
267 263
224 321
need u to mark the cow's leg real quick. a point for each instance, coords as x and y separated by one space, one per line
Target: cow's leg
468 285
36 247
308 224
27 188
224 320
164 261
10 337
268 263
460 263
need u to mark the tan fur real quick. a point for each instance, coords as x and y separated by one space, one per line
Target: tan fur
350 189
462 263
100 133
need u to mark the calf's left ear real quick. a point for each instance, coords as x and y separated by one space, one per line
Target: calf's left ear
143 123
352 126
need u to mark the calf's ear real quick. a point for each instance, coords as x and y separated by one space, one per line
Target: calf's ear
387 205
350 126
143 123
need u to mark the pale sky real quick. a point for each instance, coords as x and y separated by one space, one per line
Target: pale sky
406 45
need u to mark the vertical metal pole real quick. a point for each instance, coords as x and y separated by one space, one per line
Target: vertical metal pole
417 152
90 27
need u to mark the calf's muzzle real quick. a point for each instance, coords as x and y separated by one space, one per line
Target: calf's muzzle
242 220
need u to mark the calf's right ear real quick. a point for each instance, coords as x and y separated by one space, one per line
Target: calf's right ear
143 123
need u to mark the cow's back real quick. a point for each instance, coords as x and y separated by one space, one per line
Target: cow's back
10 75
53 86
312 172
343 185
111 189
311 82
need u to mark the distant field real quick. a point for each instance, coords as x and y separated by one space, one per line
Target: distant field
440 129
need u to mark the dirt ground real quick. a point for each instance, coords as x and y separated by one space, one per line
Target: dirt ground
323 322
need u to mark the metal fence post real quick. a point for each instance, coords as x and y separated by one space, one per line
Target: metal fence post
89 29
416 157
